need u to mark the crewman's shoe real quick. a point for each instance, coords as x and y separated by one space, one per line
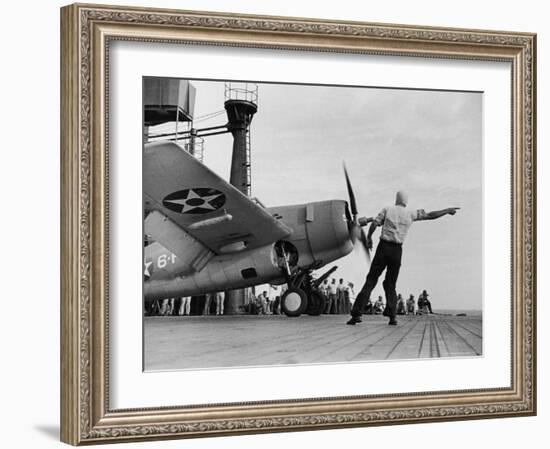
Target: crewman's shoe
385 312
354 320
393 322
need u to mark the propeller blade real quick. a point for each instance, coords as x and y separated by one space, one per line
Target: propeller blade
349 218
356 231
352 202
363 239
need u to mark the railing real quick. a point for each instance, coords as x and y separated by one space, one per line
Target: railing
241 91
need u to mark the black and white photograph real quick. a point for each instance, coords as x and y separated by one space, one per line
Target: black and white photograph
295 224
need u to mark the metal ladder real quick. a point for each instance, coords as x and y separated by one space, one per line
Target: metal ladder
248 164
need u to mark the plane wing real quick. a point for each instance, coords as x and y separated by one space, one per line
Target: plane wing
202 204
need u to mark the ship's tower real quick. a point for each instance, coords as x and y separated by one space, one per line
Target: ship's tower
241 103
171 102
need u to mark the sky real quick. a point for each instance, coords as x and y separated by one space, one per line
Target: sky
428 143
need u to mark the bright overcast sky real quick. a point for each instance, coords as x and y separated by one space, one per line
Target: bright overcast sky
428 143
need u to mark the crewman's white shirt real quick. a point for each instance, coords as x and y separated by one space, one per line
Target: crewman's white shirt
396 221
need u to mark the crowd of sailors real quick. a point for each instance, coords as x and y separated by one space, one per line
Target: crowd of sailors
339 297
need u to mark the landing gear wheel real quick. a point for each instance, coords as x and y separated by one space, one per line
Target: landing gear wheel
294 302
316 303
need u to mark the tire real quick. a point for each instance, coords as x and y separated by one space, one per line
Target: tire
316 303
294 302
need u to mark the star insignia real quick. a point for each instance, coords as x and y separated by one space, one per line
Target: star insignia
195 201
146 272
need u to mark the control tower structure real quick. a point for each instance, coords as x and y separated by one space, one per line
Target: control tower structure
171 101
241 103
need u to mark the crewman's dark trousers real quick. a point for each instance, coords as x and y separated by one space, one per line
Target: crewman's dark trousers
387 256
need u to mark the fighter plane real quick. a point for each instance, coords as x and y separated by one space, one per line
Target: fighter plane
203 235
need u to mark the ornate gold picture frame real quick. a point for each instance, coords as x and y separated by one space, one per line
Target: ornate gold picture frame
87 31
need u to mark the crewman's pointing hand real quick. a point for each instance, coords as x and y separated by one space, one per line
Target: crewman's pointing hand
452 210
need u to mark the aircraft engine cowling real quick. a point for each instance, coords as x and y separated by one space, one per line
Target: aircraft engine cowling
320 232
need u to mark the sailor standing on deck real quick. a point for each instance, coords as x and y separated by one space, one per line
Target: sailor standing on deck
341 297
331 303
220 297
185 305
395 221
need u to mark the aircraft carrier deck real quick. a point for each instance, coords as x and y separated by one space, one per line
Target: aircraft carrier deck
251 340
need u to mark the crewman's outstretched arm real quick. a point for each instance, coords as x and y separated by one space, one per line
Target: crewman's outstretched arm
440 213
372 228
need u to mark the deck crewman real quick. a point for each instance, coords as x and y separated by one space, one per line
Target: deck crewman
395 222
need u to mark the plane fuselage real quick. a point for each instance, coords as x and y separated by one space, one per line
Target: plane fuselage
320 235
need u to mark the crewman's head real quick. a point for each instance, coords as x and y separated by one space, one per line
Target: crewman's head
401 199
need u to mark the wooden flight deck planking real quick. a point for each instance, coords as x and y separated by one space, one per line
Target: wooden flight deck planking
232 341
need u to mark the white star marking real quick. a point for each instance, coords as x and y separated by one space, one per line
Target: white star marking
193 195
147 265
